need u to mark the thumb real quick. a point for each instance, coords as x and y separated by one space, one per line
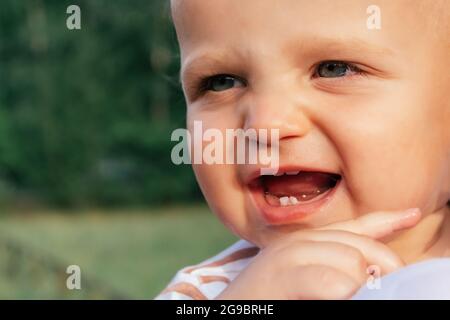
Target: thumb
379 224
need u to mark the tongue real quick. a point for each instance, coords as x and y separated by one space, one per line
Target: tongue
304 183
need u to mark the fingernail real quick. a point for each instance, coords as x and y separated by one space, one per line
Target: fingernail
412 212
407 219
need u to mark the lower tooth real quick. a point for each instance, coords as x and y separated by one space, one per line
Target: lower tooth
290 200
293 200
284 201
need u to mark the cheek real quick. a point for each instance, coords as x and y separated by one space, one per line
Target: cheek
394 154
219 182
224 195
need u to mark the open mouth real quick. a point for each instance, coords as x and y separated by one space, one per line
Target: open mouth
290 195
293 188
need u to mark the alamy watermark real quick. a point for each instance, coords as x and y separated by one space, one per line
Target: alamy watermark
374 280
373 22
73 21
233 146
73 281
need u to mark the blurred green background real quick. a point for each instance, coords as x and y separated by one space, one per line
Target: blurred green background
85 171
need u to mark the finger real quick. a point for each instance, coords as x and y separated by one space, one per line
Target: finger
375 252
319 282
379 224
347 259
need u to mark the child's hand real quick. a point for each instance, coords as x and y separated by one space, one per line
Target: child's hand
325 263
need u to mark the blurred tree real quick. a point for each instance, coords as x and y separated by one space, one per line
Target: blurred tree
86 115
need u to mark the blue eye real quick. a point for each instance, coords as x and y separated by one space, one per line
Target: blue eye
335 69
221 82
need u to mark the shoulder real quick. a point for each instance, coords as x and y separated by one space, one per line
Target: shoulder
209 278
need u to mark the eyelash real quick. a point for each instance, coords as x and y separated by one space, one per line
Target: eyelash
204 82
356 71
202 85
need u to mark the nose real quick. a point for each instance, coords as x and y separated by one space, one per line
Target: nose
276 111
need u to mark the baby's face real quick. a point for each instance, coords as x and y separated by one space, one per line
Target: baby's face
367 108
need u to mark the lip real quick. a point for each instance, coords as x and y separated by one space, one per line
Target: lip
274 215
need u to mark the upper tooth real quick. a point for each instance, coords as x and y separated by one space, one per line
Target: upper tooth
292 172
284 201
279 173
293 200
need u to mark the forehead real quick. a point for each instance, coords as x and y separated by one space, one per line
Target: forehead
253 28
253 24
227 20
234 18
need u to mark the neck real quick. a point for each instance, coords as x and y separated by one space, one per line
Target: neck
430 238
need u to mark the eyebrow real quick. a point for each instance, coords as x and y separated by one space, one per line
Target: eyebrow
231 59
340 45
210 62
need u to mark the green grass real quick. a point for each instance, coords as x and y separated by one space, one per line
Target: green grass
133 253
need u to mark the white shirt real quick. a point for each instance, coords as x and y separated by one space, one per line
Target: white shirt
425 280
208 279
